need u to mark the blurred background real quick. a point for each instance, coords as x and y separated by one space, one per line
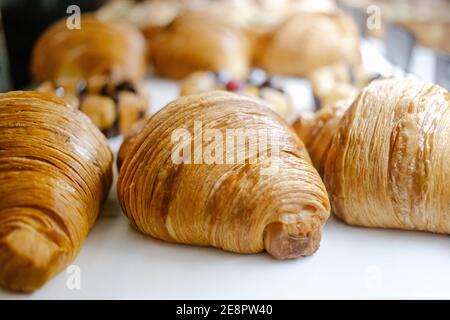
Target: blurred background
412 34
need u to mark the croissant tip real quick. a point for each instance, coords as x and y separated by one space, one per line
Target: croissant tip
27 260
281 245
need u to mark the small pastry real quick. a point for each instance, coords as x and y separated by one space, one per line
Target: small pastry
55 175
308 41
113 108
257 84
387 165
339 82
239 205
197 41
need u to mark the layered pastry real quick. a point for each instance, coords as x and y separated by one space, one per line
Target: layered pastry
95 68
257 84
262 196
308 41
339 82
385 159
198 41
55 175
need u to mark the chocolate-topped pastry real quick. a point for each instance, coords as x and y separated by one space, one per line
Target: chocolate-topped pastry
257 84
113 108
339 82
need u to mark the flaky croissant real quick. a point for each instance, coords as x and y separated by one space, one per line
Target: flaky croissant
113 50
386 159
306 42
55 172
239 206
199 41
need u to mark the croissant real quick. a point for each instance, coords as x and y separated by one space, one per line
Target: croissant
307 41
270 199
96 69
115 50
197 41
55 172
385 160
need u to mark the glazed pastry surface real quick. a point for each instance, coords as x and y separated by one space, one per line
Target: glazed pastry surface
245 206
55 172
308 41
198 41
388 165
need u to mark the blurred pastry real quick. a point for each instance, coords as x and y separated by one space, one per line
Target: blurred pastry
98 48
197 41
56 171
339 82
308 41
113 107
257 84
95 69
239 205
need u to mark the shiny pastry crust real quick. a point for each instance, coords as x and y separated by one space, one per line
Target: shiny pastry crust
198 41
55 172
388 163
308 41
97 48
235 207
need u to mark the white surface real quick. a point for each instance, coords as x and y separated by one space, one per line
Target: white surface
118 262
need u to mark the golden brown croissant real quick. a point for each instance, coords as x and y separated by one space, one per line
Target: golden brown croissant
114 50
308 41
388 163
234 205
95 69
55 172
197 41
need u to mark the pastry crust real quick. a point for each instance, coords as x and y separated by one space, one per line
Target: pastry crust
308 41
199 41
388 165
236 207
116 50
55 173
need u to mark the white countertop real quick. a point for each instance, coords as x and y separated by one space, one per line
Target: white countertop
118 262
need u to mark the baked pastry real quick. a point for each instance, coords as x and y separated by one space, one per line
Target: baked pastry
387 165
260 200
199 41
339 82
317 130
55 174
257 84
96 69
116 50
113 107
308 41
